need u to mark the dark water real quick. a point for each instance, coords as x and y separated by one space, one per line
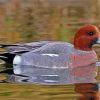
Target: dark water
35 20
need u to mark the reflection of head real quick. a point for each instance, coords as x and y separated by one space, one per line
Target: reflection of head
89 91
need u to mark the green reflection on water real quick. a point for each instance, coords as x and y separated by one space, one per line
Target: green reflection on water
26 21
39 92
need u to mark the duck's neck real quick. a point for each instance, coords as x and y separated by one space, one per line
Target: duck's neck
81 43
81 47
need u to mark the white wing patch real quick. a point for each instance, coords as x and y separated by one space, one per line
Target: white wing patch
16 64
17 60
51 55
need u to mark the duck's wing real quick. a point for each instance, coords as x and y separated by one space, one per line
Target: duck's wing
13 49
45 48
54 48
23 47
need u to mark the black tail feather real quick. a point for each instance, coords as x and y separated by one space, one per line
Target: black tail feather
3 58
7 57
5 54
7 45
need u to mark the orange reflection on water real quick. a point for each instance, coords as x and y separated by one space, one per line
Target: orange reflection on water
88 91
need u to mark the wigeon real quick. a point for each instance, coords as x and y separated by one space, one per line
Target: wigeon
54 54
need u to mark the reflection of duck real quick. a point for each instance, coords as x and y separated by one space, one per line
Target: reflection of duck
47 54
84 74
88 91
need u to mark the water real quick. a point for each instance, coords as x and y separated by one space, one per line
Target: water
40 92
52 86
50 92
35 20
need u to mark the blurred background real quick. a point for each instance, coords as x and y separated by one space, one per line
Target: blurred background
35 20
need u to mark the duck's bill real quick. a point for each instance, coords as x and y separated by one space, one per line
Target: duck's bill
95 41
98 41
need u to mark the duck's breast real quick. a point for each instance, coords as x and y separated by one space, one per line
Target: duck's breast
83 59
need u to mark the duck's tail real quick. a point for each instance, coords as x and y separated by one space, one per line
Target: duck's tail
7 57
7 45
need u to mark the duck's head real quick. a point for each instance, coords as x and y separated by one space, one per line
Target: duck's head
86 37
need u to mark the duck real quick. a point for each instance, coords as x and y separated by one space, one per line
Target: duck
54 54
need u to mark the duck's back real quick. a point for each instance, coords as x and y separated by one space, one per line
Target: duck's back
54 48
52 55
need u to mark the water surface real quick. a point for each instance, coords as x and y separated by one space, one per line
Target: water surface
16 87
35 20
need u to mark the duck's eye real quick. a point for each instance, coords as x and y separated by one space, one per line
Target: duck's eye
90 33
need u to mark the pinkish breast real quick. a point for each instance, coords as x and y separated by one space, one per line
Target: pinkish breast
83 59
